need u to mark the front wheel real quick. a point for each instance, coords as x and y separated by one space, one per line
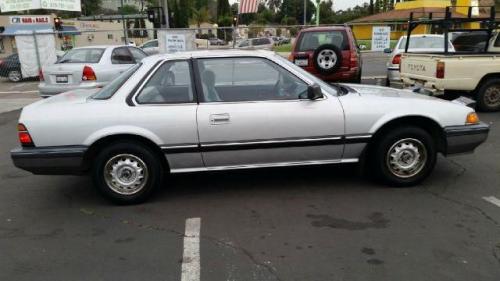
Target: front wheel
127 172
15 76
404 156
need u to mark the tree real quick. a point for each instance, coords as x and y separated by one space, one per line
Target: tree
295 9
223 8
274 4
91 7
128 10
200 16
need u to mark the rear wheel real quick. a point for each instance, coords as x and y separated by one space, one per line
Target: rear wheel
488 95
14 75
327 58
404 156
127 172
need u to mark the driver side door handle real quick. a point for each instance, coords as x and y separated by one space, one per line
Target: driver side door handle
221 118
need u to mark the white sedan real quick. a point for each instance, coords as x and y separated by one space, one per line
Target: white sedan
223 110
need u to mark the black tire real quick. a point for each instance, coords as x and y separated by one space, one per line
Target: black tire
324 64
488 95
387 82
385 170
153 171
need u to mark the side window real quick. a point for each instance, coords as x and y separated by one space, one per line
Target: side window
137 54
121 56
247 79
171 83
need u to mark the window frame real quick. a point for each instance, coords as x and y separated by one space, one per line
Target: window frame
152 72
201 96
128 51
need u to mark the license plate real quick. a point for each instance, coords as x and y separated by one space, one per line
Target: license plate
61 78
303 62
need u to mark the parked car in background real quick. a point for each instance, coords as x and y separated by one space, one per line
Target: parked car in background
150 47
419 43
330 53
10 67
87 67
216 42
265 43
252 109
285 40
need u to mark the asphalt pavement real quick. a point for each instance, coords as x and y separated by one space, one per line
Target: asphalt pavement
313 223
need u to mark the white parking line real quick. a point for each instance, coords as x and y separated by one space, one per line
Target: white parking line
493 200
191 255
19 92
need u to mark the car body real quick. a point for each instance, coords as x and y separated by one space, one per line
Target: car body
330 53
466 72
419 43
232 109
10 67
87 67
216 42
261 43
150 47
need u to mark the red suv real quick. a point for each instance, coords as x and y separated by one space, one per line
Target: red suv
330 53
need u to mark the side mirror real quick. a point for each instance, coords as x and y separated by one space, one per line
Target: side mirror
314 92
387 50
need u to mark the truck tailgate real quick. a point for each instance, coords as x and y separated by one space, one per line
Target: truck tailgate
422 67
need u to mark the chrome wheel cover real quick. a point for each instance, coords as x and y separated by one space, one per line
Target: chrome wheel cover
406 158
125 174
327 59
14 76
492 96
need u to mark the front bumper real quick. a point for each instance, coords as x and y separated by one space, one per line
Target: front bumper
61 160
465 138
48 90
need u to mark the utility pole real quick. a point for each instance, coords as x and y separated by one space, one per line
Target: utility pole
165 14
317 12
125 35
305 11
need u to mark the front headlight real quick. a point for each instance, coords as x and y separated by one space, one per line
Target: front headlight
472 118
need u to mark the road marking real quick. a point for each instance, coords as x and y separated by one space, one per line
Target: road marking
373 77
19 92
191 255
493 200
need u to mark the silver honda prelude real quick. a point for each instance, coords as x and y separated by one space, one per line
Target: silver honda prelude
235 109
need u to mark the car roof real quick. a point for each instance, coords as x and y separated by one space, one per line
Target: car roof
210 54
102 46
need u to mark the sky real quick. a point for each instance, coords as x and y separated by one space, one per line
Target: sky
338 4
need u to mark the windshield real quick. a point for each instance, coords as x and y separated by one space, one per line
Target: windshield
110 89
330 89
423 43
84 55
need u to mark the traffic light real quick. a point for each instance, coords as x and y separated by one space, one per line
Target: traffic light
235 21
58 24
151 15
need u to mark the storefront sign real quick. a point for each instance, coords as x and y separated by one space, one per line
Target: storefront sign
30 20
176 43
381 38
21 5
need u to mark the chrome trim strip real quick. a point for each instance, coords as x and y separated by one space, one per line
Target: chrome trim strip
255 166
348 137
270 141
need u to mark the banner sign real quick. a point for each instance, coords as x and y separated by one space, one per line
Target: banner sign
29 20
21 5
381 38
176 43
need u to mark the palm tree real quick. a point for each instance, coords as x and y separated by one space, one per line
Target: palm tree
200 16
273 4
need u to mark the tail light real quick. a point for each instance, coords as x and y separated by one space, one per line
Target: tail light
24 136
353 61
88 73
440 69
396 59
40 75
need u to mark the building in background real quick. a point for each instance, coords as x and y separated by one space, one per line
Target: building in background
397 18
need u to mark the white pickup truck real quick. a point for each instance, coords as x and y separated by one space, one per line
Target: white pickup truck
476 74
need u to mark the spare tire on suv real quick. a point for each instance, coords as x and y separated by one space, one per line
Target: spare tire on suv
327 58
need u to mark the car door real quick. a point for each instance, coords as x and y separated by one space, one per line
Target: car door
166 105
254 112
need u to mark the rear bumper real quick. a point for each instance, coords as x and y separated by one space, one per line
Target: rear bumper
343 74
59 160
465 138
47 90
